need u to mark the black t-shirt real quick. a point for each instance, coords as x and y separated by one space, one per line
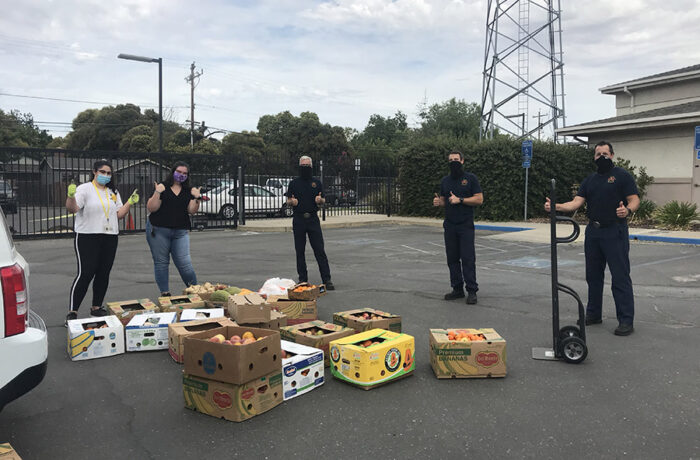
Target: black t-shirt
173 210
306 192
464 187
603 193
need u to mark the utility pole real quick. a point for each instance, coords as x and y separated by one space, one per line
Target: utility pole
539 124
191 80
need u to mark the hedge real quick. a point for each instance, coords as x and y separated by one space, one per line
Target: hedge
498 165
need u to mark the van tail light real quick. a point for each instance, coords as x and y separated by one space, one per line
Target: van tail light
15 299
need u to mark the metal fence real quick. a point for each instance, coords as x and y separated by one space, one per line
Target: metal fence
34 183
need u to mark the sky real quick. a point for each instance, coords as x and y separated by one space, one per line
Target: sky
345 60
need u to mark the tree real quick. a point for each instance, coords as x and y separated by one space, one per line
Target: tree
137 139
102 129
453 118
248 146
18 130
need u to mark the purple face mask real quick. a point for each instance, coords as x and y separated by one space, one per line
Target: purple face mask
179 177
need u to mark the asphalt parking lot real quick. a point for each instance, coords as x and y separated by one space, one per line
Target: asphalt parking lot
635 397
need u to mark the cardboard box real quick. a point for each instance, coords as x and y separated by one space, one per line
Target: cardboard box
201 313
373 358
149 331
354 319
8 453
277 320
230 401
308 294
178 303
297 311
178 331
204 290
302 369
208 303
233 363
306 334
248 308
127 309
91 338
468 359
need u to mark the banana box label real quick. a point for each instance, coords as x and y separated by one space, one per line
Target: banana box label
316 334
364 319
234 402
149 331
296 311
467 353
90 338
373 357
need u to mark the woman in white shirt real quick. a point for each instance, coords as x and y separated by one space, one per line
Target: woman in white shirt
98 207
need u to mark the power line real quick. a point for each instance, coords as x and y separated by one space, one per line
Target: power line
57 99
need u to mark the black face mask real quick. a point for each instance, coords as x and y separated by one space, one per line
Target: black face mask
604 164
456 169
305 172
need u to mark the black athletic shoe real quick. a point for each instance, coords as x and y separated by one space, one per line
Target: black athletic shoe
624 329
165 294
590 320
455 294
99 312
471 298
71 316
329 286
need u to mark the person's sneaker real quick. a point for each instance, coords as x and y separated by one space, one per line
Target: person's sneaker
471 298
624 329
329 286
71 316
165 294
99 312
455 294
590 320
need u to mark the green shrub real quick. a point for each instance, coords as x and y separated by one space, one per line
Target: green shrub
498 165
645 211
641 178
677 215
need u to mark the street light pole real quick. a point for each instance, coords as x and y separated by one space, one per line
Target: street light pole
132 57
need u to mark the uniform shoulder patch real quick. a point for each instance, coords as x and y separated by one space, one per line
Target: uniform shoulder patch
464 181
611 180
313 184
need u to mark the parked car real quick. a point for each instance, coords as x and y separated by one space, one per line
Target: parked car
213 182
8 198
278 185
23 339
258 200
337 195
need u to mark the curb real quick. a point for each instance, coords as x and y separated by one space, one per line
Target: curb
665 239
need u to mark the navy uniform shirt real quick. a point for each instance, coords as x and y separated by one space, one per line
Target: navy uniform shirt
603 193
465 186
306 192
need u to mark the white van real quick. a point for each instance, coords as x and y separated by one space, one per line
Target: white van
23 341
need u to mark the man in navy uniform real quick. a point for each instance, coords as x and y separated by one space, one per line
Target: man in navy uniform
305 195
612 196
460 192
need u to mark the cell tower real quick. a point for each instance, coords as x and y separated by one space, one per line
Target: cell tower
523 76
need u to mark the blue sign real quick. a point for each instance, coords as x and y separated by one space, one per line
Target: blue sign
698 154
697 138
527 149
526 163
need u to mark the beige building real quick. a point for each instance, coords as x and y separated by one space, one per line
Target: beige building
655 128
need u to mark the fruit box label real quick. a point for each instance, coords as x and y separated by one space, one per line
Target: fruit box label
471 359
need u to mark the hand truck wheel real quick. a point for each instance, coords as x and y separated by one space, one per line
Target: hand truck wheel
573 350
569 331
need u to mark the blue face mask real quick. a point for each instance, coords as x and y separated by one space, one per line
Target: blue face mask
102 179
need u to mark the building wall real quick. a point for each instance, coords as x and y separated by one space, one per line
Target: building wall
657 97
666 153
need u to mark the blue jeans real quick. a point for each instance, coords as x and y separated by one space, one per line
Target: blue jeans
164 242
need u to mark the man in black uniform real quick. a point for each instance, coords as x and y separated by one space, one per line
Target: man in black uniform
459 193
611 195
304 195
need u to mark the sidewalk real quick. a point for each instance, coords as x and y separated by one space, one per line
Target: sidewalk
530 232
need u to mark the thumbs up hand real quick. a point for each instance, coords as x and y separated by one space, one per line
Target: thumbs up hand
71 190
160 188
293 201
453 199
318 198
134 198
196 192
622 211
436 200
548 205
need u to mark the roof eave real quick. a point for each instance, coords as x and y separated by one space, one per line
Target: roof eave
641 123
646 82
